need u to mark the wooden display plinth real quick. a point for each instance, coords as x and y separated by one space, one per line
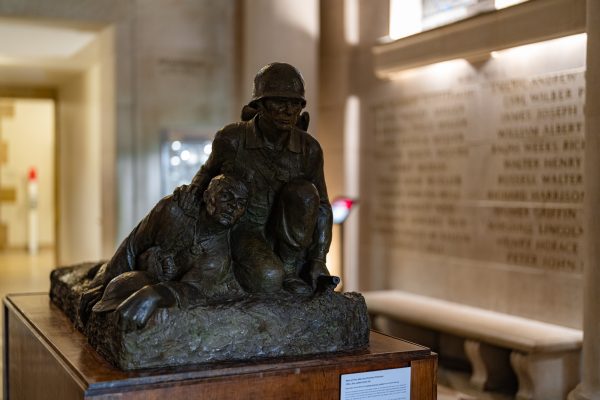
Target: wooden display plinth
45 357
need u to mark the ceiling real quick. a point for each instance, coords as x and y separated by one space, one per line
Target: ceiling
41 53
28 39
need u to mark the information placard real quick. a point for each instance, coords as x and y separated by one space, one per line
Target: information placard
386 384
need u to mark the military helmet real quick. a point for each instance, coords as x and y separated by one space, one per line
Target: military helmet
120 288
278 80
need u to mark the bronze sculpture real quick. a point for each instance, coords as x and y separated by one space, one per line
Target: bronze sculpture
248 236
177 255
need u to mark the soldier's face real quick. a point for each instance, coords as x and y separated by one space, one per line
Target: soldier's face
226 206
282 112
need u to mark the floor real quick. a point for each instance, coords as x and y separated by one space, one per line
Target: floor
455 385
19 273
446 393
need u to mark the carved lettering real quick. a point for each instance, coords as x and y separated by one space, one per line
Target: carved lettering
455 174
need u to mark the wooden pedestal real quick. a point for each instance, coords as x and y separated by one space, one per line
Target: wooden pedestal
46 358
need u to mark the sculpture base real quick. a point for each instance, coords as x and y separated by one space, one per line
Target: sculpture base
67 284
281 325
255 327
46 358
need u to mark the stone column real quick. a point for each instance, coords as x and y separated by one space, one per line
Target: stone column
283 31
589 388
334 69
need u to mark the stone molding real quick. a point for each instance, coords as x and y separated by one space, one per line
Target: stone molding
474 38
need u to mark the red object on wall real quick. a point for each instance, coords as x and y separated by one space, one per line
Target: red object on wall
32 174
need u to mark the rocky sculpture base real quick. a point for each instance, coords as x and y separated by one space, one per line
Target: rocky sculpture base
67 284
252 328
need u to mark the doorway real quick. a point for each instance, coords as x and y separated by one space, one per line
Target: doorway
28 173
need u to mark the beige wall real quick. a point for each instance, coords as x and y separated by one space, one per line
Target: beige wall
29 135
86 155
80 169
184 69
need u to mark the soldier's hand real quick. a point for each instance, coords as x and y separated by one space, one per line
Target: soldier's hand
169 269
136 310
87 301
187 196
317 268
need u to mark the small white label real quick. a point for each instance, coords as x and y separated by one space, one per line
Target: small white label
385 384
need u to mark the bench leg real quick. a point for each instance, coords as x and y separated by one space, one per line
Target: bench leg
491 366
546 376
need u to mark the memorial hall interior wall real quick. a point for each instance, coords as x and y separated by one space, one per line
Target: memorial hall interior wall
471 175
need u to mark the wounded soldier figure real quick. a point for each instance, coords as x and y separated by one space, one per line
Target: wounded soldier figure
177 255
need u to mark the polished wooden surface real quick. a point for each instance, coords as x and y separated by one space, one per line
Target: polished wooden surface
32 318
32 372
21 272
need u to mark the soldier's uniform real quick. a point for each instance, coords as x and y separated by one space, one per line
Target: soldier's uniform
287 223
172 247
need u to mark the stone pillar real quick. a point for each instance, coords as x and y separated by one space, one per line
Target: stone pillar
334 69
282 31
589 388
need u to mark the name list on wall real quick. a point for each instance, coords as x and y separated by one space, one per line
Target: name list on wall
490 171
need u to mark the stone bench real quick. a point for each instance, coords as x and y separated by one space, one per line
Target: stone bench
544 357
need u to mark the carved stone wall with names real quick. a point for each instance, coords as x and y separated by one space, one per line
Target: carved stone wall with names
477 188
